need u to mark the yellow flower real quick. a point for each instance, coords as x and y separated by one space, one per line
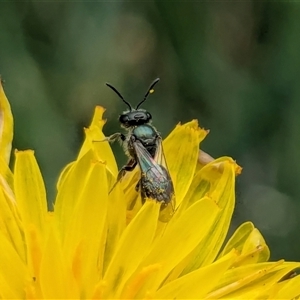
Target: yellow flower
102 244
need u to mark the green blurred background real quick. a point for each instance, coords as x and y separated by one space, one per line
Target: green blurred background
234 65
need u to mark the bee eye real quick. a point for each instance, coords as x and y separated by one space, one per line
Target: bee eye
123 119
149 117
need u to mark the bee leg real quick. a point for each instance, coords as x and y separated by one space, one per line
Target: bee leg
116 136
112 138
127 168
138 185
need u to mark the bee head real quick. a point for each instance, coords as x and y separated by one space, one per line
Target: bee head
135 116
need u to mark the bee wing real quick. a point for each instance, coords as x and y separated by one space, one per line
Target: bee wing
146 162
159 154
166 210
157 180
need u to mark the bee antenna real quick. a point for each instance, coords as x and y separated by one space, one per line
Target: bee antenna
149 91
118 93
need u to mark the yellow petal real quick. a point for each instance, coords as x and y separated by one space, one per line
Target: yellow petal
54 277
29 189
177 241
132 248
116 223
248 281
250 243
6 291
34 253
14 275
260 288
128 184
85 231
10 225
197 284
217 180
254 250
6 126
70 189
238 238
138 280
63 175
6 176
95 140
97 122
181 149
289 289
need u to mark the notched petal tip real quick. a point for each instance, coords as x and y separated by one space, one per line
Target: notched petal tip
238 170
194 124
191 127
20 152
98 117
99 111
93 141
218 164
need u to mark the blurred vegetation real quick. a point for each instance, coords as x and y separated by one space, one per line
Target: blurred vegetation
233 65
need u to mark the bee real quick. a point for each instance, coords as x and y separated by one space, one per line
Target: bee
143 145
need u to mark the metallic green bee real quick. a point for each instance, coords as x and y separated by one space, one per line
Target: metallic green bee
144 146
